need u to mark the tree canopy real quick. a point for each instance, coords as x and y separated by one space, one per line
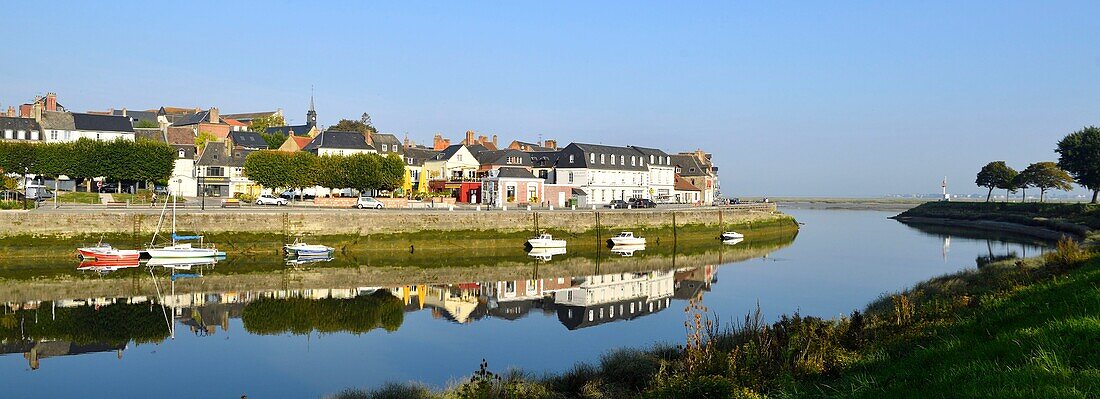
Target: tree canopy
119 160
1045 176
260 125
275 169
996 174
345 125
1079 154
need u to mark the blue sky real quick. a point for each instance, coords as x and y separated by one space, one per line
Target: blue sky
793 98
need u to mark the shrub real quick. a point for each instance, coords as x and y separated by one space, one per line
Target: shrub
629 368
1066 254
703 387
574 381
389 391
245 197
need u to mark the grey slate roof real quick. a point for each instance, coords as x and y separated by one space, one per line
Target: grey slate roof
532 147
215 154
580 153
392 143
298 130
192 119
477 149
448 152
500 157
136 116
251 140
514 172
57 120
17 124
339 140
658 155
416 156
102 123
545 159
248 116
689 166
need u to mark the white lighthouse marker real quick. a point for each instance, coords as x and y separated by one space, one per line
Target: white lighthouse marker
944 186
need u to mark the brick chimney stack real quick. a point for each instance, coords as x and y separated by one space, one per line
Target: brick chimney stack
51 101
440 143
469 138
11 111
123 111
213 115
495 141
551 144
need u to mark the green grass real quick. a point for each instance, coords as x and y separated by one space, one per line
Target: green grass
1013 329
1075 218
78 198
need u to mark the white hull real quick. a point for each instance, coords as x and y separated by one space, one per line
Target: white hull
181 263
546 254
541 243
732 235
307 250
734 241
628 241
181 251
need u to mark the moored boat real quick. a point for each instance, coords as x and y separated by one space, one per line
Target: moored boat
731 235
182 251
627 238
545 241
304 250
105 252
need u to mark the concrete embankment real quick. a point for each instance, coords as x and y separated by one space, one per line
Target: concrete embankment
347 221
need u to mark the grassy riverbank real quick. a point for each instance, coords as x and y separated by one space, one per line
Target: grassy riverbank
1077 219
1011 329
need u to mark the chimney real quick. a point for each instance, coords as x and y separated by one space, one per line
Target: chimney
469 137
51 101
440 143
25 111
11 111
123 111
406 141
213 116
551 144
494 140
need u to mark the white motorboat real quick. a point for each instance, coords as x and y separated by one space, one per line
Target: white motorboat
732 235
304 250
627 238
545 241
627 251
545 254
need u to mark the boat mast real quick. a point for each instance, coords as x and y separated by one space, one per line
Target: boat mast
173 218
159 223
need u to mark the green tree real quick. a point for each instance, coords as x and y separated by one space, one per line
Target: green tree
391 173
362 171
345 125
270 169
1079 154
202 139
331 172
1045 176
146 124
304 168
996 175
273 140
260 125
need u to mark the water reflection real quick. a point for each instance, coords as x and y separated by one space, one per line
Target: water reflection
999 246
88 325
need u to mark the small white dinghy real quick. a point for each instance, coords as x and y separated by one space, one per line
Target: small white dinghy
627 238
302 249
732 235
545 241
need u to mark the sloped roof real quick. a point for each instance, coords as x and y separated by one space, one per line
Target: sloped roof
500 157
658 155
339 140
297 130
180 136
150 134
417 156
514 172
544 159
581 153
192 119
448 152
232 122
532 147
215 154
689 165
17 124
249 116
102 123
390 140
248 140
300 141
477 148
135 116
683 184
57 120
176 110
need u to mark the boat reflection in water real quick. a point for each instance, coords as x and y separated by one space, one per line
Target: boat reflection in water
627 251
305 260
545 254
106 266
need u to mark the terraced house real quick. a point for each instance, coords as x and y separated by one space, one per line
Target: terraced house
604 172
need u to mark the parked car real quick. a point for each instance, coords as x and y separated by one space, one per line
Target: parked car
268 199
617 204
643 203
160 190
368 202
291 195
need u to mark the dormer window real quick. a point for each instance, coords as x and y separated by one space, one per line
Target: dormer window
651 159
592 157
570 158
181 153
602 159
385 147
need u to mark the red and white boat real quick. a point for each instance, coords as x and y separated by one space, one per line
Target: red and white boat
108 253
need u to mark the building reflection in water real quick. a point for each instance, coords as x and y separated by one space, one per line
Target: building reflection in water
576 301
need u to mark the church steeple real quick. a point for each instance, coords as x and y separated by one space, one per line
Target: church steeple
311 115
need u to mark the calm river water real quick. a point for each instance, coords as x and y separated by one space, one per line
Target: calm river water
272 342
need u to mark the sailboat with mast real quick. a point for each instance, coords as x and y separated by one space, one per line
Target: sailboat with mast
177 248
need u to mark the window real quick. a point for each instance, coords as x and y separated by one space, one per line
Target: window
570 177
181 153
622 160
650 159
385 147
592 157
612 159
632 161
602 159
458 157
34 135
22 135
570 158
668 160
53 135
8 134
215 171
409 161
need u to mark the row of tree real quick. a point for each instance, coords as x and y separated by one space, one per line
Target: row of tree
1078 161
119 160
298 170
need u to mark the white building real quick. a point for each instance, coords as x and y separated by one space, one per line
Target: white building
606 173
334 142
454 163
662 174
64 127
